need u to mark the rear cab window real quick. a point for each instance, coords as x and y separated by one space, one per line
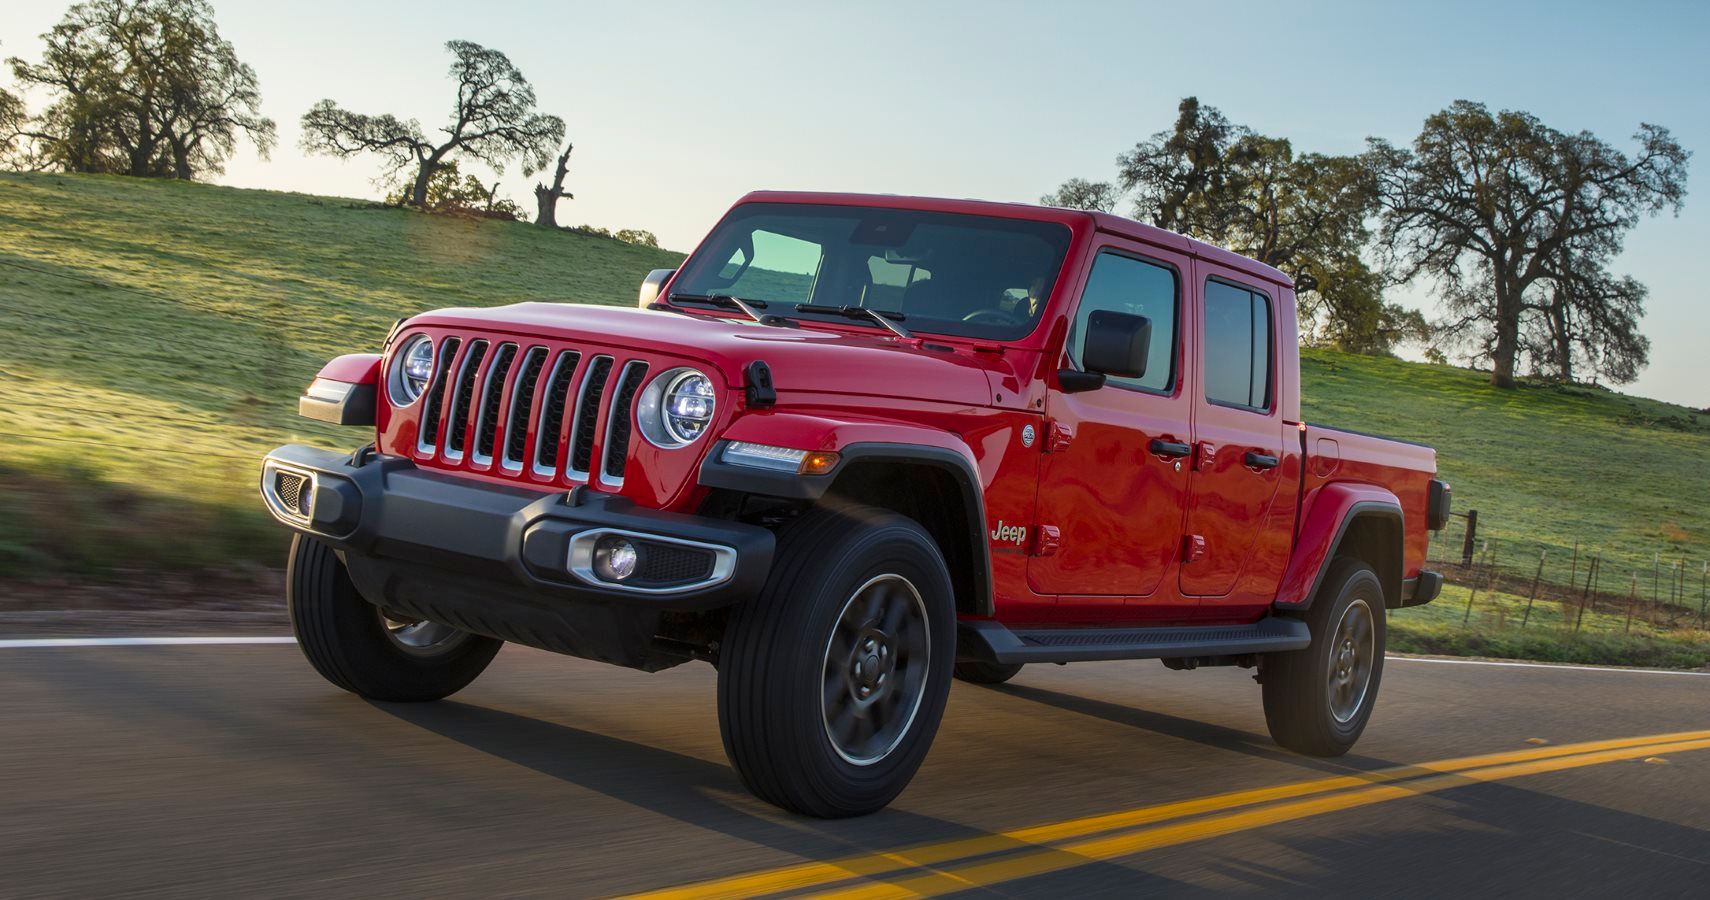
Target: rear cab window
1236 353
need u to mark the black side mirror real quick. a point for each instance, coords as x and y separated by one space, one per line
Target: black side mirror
1116 343
652 284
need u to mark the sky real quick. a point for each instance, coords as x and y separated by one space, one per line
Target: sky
678 108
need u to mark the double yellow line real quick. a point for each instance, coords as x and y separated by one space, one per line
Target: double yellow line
960 864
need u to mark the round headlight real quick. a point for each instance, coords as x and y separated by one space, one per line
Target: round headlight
412 368
676 408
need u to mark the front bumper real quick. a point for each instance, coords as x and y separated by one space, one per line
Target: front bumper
500 560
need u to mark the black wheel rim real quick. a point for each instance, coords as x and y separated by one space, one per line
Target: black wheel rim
876 664
419 637
1352 654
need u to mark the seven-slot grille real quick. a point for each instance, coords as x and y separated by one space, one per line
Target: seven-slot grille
523 407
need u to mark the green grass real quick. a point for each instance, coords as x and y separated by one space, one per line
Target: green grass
156 335
1544 465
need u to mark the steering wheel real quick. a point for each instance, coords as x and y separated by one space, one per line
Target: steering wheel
994 317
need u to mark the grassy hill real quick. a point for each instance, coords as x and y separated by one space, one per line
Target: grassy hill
156 335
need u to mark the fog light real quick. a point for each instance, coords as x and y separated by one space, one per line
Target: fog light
615 558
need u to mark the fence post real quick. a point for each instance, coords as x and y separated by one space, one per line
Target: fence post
1703 591
1534 598
1467 544
1632 598
1589 591
1474 594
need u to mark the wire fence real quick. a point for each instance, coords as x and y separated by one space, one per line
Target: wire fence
1527 583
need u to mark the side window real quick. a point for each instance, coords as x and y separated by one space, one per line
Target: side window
1129 285
1237 353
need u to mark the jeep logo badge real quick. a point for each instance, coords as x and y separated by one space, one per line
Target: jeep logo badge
1027 435
1009 534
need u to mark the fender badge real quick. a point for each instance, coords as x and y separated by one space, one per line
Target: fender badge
1027 435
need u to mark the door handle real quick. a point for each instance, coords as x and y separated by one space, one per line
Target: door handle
1175 449
1258 460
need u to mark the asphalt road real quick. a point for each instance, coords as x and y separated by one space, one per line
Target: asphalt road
234 771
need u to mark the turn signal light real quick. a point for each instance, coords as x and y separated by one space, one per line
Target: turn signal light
818 462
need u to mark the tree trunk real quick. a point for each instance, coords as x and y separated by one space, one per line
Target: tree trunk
1507 348
546 208
546 198
181 161
1561 337
418 191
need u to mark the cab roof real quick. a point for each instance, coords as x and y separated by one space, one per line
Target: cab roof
1079 220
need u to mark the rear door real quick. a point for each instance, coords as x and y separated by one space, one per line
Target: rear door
1114 500
1238 430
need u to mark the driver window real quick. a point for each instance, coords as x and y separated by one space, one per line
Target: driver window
1129 285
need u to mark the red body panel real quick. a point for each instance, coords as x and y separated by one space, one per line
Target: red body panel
1126 519
353 368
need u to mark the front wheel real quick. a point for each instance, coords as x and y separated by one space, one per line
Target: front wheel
832 682
1317 700
366 650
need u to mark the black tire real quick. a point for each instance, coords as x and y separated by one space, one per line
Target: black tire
1310 706
977 672
347 641
778 698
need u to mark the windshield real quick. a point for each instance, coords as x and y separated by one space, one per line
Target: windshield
963 275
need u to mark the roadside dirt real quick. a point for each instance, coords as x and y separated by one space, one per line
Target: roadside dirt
146 603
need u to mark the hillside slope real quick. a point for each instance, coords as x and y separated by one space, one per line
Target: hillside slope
160 332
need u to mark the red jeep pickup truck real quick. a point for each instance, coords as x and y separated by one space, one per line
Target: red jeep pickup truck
854 446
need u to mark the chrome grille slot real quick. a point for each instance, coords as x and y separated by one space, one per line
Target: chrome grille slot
547 443
492 391
457 421
522 406
620 425
586 423
434 398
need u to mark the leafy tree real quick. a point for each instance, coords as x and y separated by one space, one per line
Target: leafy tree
1516 224
146 88
1302 213
546 198
451 191
1079 193
638 236
494 121
14 123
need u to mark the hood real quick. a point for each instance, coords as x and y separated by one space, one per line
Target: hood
801 358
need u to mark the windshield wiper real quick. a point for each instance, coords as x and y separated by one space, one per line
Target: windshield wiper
749 308
883 317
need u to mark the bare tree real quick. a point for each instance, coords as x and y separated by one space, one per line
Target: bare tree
494 121
1515 221
546 198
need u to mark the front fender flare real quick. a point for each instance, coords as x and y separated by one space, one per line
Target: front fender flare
855 442
1334 509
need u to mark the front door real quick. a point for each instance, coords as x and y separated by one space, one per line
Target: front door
1115 474
1238 432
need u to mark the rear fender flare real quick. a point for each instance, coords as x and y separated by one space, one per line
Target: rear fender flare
1334 512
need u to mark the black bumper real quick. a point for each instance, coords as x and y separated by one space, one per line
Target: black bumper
495 559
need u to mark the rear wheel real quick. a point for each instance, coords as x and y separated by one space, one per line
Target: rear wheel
977 672
363 649
832 682
1317 700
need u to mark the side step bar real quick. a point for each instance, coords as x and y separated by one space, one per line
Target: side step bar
993 642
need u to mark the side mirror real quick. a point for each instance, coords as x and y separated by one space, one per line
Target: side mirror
1116 344
653 284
